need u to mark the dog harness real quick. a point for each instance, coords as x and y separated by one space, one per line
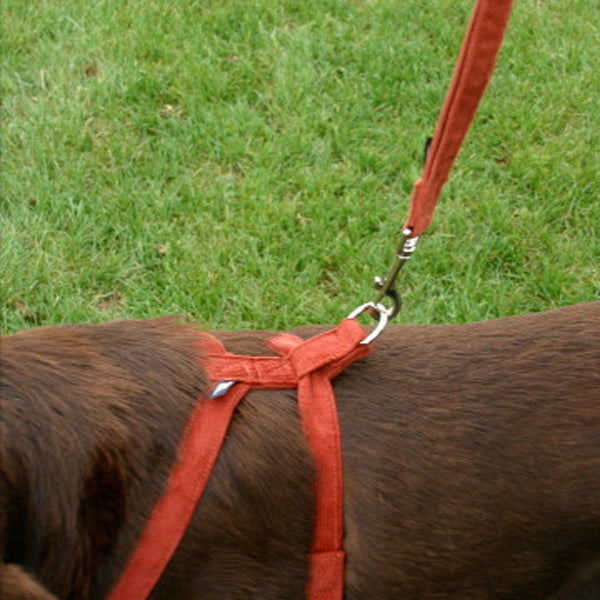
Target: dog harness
311 365
308 365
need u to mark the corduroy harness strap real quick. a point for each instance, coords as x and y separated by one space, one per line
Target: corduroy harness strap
308 365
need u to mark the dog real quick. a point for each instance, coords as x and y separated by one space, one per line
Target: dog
471 461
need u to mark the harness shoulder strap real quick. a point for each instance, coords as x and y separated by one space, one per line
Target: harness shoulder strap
317 361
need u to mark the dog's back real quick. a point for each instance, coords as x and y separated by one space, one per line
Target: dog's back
472 455
471 463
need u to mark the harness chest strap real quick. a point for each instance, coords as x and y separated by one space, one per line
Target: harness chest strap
310 365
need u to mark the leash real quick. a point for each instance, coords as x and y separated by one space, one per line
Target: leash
471 75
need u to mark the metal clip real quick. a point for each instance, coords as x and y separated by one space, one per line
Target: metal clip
387 286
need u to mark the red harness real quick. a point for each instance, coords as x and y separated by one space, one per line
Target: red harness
310 365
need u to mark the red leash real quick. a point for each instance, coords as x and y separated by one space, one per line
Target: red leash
473 71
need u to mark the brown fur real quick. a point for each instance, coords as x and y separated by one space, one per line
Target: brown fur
471 462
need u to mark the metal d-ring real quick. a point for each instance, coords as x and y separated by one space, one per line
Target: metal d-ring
383 316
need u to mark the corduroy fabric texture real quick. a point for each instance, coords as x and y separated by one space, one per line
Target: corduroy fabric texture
473 71
308 365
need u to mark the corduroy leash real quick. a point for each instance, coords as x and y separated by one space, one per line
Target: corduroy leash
472 73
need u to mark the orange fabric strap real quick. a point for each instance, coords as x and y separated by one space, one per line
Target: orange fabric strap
310 365
473 70
198 451
317 405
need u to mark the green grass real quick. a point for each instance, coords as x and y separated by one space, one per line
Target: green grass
248 164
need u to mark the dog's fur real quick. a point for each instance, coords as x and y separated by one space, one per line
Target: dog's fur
471 464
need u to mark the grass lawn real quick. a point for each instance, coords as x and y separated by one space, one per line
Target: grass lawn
248 164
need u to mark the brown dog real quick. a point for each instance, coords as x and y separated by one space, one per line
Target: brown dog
471 464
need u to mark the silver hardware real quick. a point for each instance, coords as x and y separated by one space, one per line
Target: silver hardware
383 316
222 388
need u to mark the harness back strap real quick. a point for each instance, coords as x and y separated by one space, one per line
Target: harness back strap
473 70
310 365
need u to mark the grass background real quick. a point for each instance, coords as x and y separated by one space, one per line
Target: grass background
248 164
